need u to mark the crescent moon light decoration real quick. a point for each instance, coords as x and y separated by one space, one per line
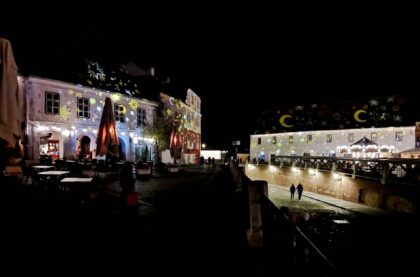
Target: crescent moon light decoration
282 121
357 116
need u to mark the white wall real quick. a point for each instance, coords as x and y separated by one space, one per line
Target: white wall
319 145
68 124
216 154
166 157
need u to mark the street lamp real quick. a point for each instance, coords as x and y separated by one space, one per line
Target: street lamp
203 146
295 170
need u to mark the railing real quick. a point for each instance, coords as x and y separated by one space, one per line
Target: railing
387 170
307 256
312 255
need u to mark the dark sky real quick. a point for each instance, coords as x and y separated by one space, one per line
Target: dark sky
238 62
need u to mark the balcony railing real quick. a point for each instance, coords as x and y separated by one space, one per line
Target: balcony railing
387 170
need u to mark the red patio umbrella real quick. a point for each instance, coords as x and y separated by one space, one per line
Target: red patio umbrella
11 101
175 144
107 132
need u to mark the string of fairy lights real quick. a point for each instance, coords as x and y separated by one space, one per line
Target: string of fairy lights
394 138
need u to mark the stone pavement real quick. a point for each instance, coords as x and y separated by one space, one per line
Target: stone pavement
339 203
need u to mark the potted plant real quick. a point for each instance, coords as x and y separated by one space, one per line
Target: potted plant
143 169
173 168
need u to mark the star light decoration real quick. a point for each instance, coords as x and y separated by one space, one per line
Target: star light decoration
115 97
397 118
64 113
95 71
133 104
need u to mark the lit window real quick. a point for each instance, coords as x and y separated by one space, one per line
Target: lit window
274 140
290 139
399 136
120 113
141 117
52 102
83 107
329 137
374 136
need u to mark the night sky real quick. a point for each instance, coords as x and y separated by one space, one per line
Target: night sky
239 62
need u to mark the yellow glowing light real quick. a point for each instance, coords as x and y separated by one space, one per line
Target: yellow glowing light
92 101
78 94
357 116
282 121
133 104
64 113
122 111
70 91
115 97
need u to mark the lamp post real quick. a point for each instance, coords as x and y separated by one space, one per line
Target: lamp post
312 172
295 170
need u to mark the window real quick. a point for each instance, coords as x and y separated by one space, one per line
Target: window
52 102
274 140
351 137
399 136
83 107
120 113
329 137
290 139
374 136
308 138
141 117
259 140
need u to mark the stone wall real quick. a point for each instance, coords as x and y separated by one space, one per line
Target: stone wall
393 197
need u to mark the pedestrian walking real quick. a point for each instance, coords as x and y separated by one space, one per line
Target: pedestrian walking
292 191
300 190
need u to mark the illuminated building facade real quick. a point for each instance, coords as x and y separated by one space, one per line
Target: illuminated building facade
63 119
352 143
187 116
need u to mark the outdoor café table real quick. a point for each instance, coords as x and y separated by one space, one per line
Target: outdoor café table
120 164
51 177
40 168
76 186
54 173
76 180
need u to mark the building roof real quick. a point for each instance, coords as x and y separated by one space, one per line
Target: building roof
116 77
364 142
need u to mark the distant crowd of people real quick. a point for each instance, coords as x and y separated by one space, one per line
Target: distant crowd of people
210 160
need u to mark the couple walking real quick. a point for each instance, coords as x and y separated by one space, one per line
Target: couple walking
299 189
